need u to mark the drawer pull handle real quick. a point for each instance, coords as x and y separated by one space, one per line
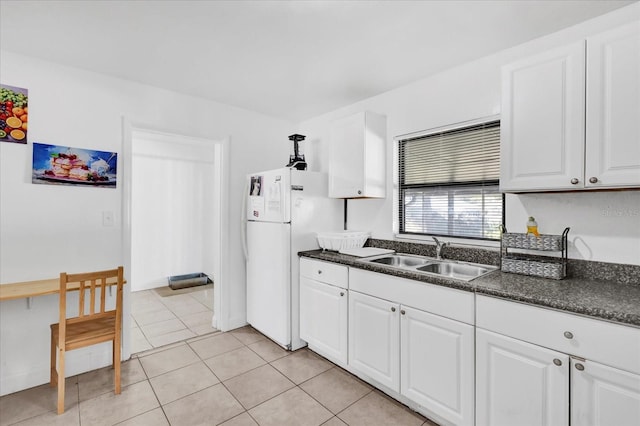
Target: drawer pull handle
557 362
568 335
393 309
341 293
579 367
402 312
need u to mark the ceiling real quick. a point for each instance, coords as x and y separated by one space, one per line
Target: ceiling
289 59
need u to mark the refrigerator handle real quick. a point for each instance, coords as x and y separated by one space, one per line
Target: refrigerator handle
243 220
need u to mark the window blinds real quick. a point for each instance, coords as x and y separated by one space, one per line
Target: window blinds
449 183
470 154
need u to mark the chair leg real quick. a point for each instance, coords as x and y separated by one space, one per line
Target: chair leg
116 364
61 381
54 374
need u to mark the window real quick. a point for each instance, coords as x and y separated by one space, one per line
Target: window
449 183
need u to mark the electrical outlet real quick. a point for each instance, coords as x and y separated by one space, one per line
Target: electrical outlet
107 218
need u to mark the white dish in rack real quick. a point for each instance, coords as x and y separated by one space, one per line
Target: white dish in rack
341 240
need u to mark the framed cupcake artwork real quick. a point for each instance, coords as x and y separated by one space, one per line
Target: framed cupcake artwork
63 165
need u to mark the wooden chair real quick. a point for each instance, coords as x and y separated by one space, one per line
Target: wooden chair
88 328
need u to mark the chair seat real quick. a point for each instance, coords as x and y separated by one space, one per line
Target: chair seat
86 333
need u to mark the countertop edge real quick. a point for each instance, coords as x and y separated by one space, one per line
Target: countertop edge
476 286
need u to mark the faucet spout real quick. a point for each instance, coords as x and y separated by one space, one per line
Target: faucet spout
439 247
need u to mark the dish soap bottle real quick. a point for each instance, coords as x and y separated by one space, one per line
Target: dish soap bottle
532 227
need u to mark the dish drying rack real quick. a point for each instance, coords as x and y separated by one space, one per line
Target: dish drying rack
534 265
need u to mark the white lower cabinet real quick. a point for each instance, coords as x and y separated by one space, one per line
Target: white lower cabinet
519 383
427 359
603 396
324 308
507 365
437 364
324 323
526 377
374 339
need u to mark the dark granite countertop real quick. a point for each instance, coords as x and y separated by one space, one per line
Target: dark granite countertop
608 300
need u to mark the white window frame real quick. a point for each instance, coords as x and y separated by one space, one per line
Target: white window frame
470 242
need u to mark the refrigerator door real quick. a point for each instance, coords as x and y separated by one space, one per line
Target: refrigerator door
269 280
269 195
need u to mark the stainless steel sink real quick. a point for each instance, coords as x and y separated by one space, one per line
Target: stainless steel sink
401 260
430 266
456 270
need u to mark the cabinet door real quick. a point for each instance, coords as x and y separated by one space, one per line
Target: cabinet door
323 319
518 383
437 368
613 108
357 165
374 339
542 124
346 157
603 396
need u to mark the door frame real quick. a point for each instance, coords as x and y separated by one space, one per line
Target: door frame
221 294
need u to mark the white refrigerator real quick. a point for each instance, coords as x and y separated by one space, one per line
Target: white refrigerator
284 208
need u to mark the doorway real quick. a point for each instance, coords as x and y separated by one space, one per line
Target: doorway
173 198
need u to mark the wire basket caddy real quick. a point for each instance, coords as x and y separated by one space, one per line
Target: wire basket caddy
534 265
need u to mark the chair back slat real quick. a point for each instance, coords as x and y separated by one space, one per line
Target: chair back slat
92 307
90 285
81 299
103 289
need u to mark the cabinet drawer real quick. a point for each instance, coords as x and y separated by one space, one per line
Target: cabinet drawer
439 300
611 344
325 272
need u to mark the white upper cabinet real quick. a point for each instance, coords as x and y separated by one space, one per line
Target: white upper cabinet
357 156
613 108
548 141
542 124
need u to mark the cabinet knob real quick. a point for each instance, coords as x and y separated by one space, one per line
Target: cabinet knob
568 335
557 362
359 192
579 367
393 309
341 293
574 181
402 312
593 179
319 271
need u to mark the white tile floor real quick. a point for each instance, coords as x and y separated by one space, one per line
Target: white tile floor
157 321
231 379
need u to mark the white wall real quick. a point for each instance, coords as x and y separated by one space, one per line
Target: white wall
46 229
604 225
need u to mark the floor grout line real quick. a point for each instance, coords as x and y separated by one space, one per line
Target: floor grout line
143 299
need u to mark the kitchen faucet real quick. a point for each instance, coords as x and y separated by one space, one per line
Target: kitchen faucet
439 247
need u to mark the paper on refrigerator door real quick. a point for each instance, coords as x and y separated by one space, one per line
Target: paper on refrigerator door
274 198
257 206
